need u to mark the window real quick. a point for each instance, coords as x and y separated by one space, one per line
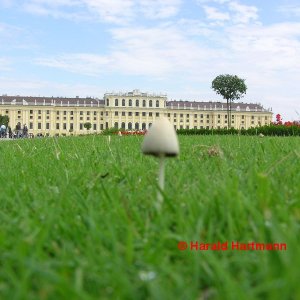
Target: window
137 103
143 126
39 112
65 112
81 126
157 103
116 113
150 124
123 125
116 102
123 113
39 125
31 117
101 126
95 113
116 125
107 102
123 102
130 102
88 113
243 117
150 103
57 113
71 113
143 114
136 127
30 125
130 126
144 103
266 118
169 115
48 112
137 113
188 115
46 117
207 116
71 126
195 116
65 126
19 112
47 125
130 114
150 114
157 114
201 116
31 111
219 116
252 117
57 118
57 125
181 115
81 113
207 121
95 126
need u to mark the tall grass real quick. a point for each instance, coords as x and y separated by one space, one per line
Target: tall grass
79 221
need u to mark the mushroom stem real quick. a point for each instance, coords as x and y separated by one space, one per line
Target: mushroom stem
161 177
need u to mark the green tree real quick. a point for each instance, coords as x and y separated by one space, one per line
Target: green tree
231 88
87 125
4 120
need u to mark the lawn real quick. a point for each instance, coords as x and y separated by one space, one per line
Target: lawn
79 219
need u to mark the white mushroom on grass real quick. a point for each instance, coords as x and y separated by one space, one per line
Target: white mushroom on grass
161 141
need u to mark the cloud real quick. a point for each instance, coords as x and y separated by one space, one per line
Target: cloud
81 63
290 10
5 64
214 14
159 9
229 10
243 13
119 12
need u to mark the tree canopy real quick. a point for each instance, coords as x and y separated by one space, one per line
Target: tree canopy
230 87
87 125
4 120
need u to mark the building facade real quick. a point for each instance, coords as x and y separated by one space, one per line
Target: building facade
130 111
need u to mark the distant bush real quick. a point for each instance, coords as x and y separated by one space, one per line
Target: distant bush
292 129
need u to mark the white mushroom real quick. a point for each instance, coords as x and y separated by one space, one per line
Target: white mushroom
161 141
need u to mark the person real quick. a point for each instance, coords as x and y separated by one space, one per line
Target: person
25 131
2 131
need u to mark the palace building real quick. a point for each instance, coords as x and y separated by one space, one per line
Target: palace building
134 110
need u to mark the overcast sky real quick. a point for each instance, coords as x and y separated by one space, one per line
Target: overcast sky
88 47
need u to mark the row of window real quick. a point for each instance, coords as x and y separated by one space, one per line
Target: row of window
137 103
88 113
64 126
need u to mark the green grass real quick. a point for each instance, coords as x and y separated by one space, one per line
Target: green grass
79 219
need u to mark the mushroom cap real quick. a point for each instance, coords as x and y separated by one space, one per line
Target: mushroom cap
161 139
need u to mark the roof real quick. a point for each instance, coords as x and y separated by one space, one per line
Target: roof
51 101
210 105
